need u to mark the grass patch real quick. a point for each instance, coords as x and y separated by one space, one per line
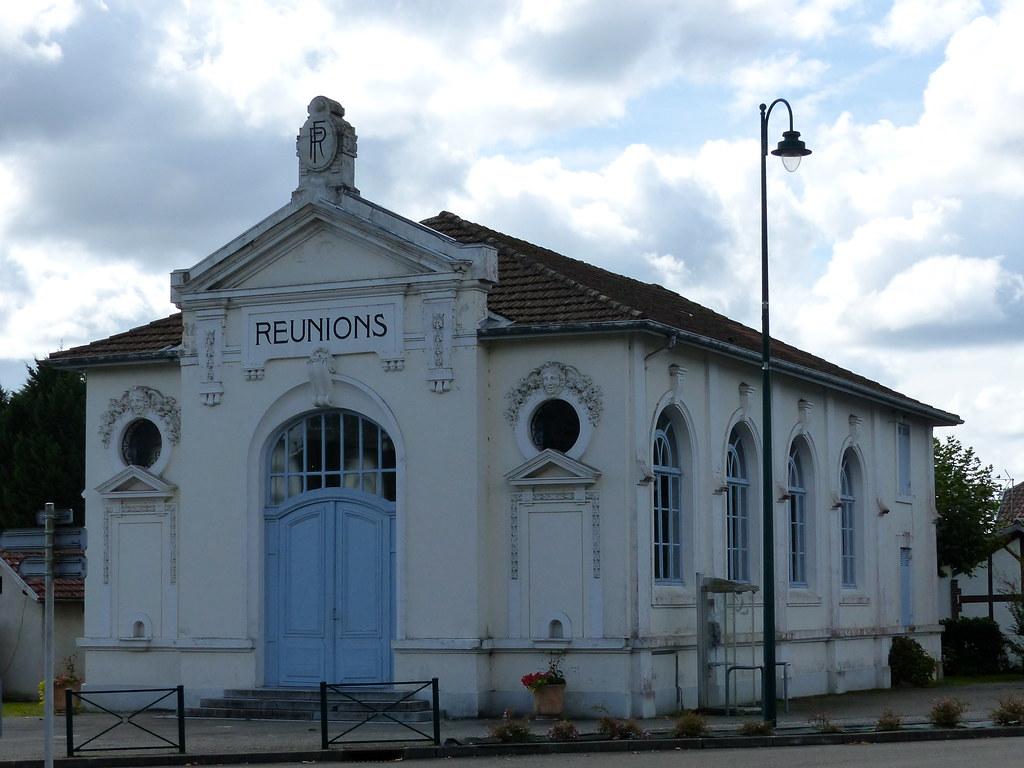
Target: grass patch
23 709
999 677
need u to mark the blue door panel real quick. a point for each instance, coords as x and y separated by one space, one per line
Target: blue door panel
304 575
330 593
301 614
362 631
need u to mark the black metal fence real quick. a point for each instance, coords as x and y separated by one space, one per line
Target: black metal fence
364 700
124 719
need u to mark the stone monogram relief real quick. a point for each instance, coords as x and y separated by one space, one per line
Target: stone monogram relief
142 401
554 378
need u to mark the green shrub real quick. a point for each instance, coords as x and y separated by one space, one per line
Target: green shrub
756 728
947 713
511 729
620 729
1009 712
690 725
972 646
910 663
889 721
563 730
630 729
822 724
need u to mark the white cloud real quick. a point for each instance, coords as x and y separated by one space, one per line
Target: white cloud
64 296
779 74
917 25
29 27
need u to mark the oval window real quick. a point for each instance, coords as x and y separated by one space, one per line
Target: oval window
555 424
141 443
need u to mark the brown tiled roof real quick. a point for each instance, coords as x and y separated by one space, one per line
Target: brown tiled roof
63 589
537 286
159 336
1012 509
540 286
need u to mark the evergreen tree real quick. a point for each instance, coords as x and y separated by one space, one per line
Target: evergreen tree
42 446
967 499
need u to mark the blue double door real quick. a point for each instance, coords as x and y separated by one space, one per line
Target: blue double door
330 592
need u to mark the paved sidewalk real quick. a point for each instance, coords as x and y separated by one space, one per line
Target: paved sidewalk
23 737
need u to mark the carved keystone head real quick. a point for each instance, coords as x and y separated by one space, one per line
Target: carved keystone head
552 378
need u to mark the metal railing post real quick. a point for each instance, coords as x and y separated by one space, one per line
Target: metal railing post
323 715
69 722
435 695
181 719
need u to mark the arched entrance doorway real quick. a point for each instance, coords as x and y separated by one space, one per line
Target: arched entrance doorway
329 521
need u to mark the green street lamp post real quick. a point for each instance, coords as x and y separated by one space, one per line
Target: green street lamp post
790 149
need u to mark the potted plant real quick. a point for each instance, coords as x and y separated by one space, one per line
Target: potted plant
66 678
548 688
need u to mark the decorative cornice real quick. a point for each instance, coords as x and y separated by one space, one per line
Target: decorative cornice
554 378
140 401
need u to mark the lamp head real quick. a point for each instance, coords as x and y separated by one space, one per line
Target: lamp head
791 149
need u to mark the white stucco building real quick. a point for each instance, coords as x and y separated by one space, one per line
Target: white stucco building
370 449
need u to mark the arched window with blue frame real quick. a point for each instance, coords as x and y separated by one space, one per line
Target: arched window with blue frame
848 518
668 503
798 524
737 478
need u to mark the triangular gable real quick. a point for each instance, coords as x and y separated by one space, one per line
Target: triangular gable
135 483
323 243
550 467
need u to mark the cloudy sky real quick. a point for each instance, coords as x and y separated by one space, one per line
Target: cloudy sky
135 138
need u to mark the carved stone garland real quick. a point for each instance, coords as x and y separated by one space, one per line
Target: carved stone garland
139 401
554 378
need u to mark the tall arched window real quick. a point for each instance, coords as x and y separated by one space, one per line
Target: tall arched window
797 519
848 519
738 510
668 509
335 449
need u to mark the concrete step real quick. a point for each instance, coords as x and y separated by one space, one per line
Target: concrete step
296 704
368 694
313 705
248 713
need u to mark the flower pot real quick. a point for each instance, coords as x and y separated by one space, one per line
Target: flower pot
549 700
60 698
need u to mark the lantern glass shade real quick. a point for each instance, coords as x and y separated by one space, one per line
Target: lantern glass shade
791 162
791 149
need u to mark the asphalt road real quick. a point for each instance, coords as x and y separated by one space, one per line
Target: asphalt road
976 753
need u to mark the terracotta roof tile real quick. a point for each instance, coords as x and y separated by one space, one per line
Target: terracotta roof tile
160 335
1012 509
535 286
538 285
63 589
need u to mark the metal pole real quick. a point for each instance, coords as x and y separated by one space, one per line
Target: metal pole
435 698
69 725
181 718
323 715
48 519
768 518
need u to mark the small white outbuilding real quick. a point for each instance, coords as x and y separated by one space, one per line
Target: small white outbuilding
370 449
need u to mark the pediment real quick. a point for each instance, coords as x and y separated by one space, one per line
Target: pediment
320 243
135 483
550 467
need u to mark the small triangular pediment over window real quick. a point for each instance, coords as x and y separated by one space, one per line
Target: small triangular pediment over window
135 483
550 467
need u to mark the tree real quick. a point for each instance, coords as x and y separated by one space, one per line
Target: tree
967 499
42 446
